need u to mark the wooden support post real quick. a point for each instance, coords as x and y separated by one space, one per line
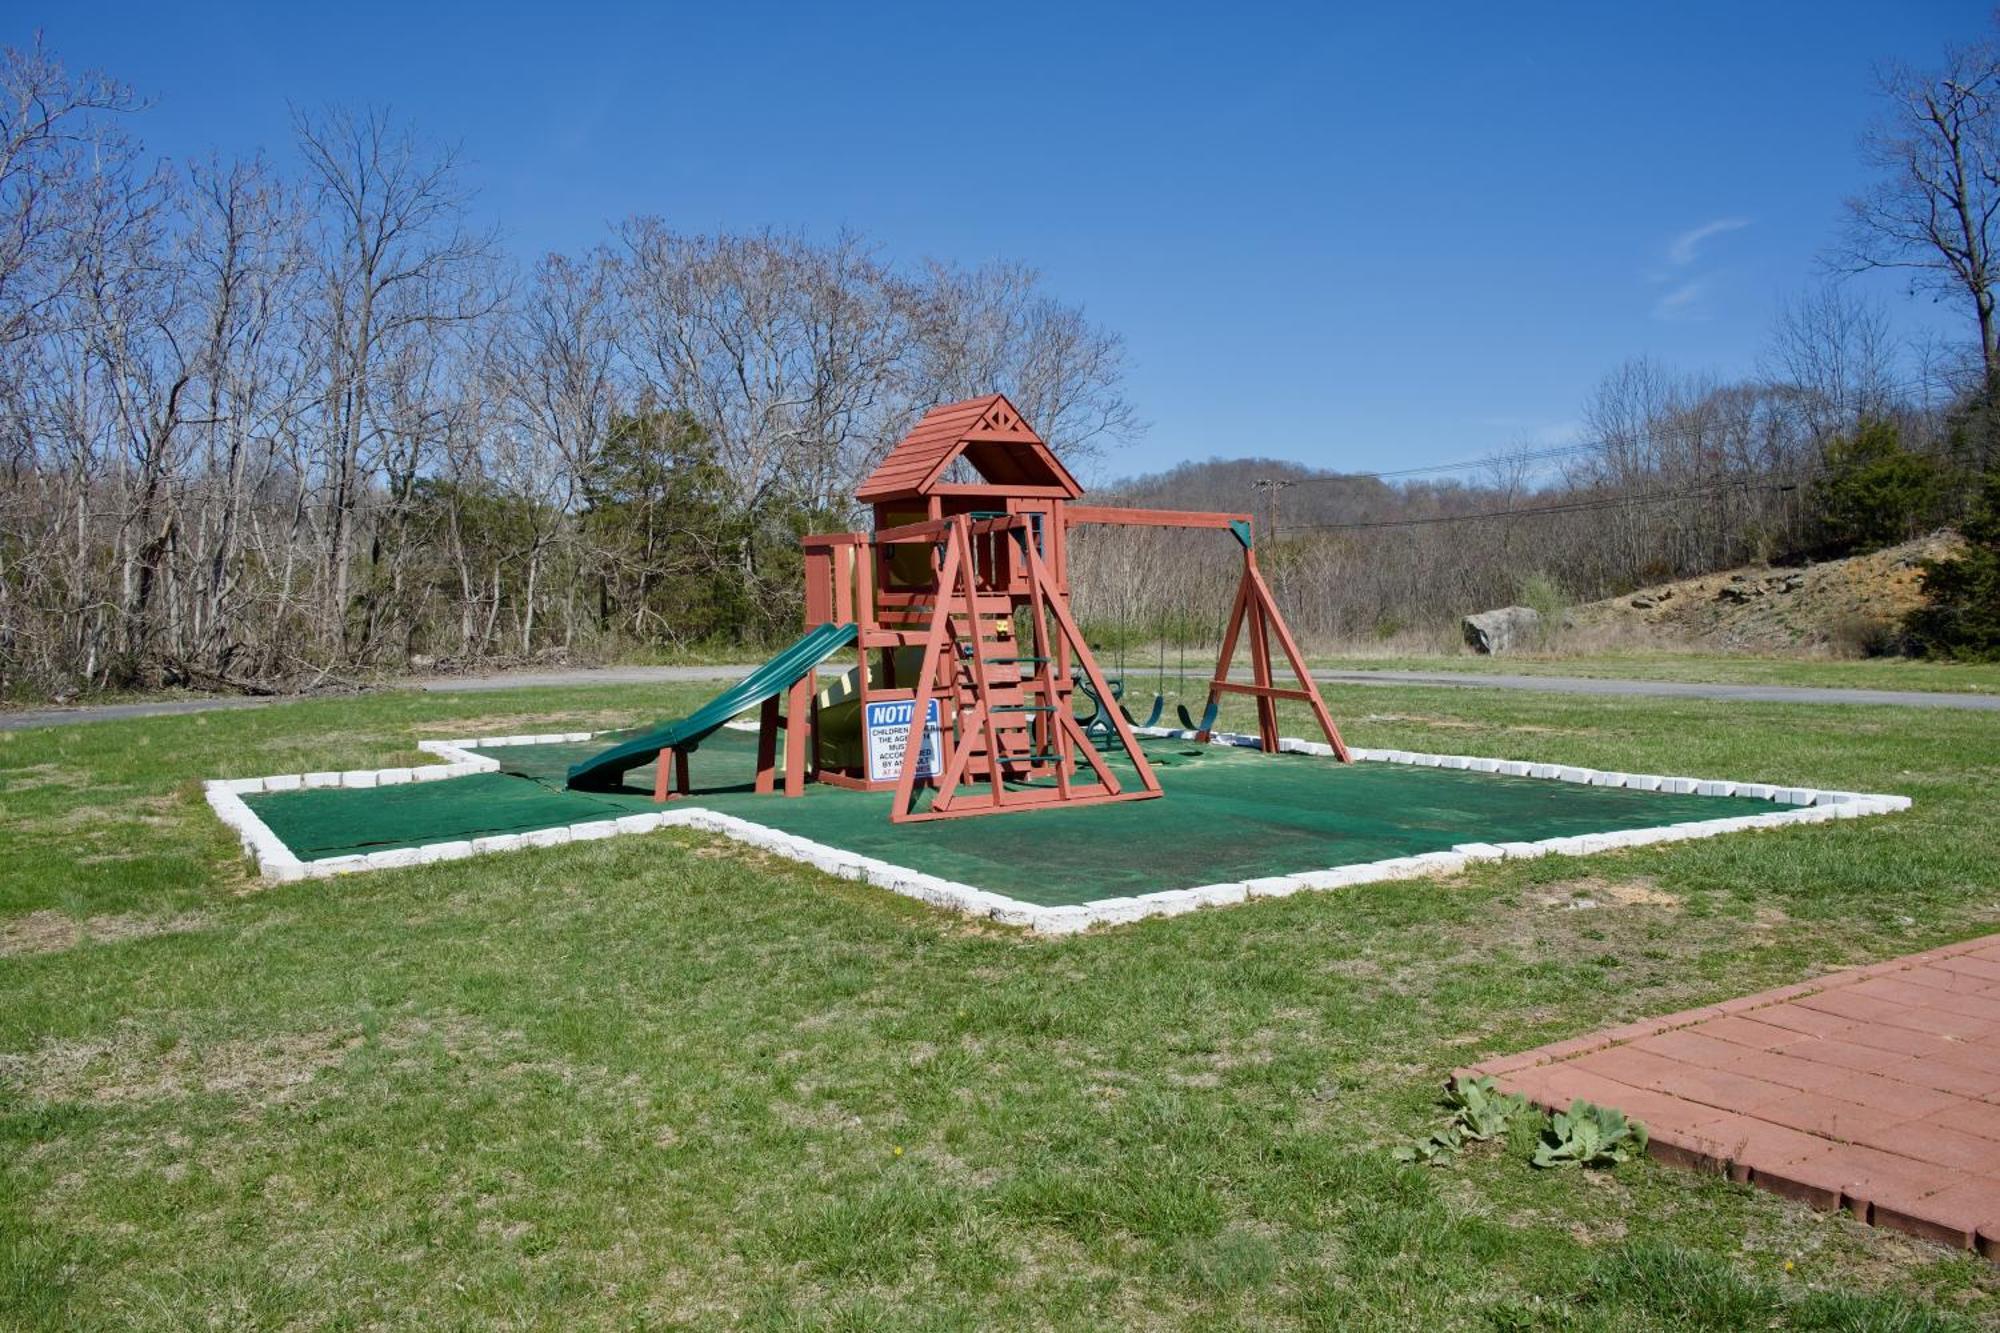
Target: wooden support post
1260 671
798 708
934 642
767 746
1256 611
670 775
1297 660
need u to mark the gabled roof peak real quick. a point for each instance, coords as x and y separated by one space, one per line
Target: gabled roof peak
991 435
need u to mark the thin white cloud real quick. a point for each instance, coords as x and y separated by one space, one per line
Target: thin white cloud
1682 301
1682 249
1685 282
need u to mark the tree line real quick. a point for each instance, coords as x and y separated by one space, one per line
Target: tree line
264 428
1822 454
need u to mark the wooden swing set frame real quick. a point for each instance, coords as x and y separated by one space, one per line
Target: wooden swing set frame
973 575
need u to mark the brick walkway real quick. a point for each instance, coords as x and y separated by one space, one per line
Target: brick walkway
1875 1089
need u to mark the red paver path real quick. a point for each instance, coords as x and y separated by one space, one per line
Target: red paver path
1875 1089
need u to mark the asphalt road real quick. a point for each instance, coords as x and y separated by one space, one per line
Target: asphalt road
514 680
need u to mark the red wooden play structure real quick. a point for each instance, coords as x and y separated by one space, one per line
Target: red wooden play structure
968 657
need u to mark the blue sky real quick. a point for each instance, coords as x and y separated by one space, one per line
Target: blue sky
1360 237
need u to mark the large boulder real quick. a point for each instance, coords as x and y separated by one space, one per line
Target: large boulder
1509 629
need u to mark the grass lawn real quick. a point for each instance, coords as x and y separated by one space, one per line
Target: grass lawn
664 1081
1875 673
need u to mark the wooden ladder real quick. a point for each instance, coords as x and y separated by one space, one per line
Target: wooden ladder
1010 725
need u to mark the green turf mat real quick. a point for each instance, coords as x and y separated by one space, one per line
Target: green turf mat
1228 814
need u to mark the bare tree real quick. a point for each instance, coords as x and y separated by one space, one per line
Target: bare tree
56 132
555 371
1932 213
995 328
1837 351
244 254
791 355
397 261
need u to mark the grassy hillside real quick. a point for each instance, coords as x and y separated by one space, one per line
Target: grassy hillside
1844 606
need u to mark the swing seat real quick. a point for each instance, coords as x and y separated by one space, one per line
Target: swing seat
1207 716
1098 721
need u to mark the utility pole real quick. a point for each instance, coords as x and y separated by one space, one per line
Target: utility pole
1272 487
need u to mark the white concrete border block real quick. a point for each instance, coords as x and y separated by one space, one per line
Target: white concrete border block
1220 895
1063 920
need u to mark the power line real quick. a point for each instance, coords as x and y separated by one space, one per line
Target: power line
1495 460
1592 504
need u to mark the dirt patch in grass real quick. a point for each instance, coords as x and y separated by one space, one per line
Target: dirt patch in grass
152 812
1588 891
52 932
43 777
131 1066
39 932
723 849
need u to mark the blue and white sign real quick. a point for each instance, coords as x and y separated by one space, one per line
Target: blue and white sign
888 723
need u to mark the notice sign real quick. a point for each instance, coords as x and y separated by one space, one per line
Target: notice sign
889 733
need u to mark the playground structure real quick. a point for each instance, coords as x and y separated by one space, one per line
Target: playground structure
968 658
963 698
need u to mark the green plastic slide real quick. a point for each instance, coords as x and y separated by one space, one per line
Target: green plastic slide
606 771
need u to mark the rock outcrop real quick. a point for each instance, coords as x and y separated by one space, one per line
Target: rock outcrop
1508 629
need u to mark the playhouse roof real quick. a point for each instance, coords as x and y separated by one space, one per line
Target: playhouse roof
991 435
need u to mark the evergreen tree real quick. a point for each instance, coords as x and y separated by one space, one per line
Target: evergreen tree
1875 492
1962 616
